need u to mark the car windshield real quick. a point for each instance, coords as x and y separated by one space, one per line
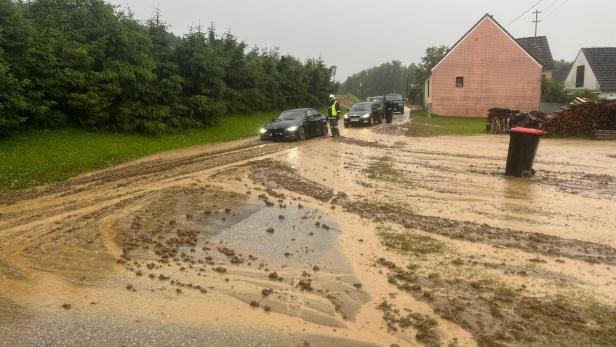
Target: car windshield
292 115
361 107
393 97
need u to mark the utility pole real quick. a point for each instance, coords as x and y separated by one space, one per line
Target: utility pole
406 96
536 21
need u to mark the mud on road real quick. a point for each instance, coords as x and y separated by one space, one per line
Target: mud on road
375 239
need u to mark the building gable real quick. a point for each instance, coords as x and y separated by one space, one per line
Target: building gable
589 79
539 48
602 61
490 19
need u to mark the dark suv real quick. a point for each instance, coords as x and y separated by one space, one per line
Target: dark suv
395 101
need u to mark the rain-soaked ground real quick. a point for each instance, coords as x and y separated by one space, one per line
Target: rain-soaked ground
375 239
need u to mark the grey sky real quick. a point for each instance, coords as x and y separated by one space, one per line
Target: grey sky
357 34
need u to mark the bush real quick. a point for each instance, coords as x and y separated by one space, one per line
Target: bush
88 64
553 91
582 93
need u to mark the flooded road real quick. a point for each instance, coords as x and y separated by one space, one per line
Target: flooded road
375 239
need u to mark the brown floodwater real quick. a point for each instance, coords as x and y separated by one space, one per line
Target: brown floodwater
278 244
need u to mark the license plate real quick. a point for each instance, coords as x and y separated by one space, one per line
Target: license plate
354 120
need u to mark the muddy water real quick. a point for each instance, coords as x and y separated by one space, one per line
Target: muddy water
282 244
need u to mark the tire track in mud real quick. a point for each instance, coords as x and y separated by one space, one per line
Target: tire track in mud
135 175
145 169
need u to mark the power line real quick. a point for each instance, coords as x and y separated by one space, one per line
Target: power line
545 9
556 9
525 12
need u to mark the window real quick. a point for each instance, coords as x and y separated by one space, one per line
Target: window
428 88
459 82
579 77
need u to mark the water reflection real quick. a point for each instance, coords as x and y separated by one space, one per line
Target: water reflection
293 157
515 189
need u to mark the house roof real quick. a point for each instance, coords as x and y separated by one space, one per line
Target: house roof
490 17
560 74
539 48
602 61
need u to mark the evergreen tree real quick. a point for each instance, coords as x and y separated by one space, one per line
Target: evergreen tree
380 80
87 64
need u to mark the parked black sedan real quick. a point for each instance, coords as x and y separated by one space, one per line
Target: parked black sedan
364 113
297 124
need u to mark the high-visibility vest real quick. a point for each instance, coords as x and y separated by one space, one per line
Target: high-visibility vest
334 112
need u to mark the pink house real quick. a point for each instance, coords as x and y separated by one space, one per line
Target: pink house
486 68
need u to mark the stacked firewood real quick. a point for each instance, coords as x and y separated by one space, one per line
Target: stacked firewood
532 120
500 120
582 119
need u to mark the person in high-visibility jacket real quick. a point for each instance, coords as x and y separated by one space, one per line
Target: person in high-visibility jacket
333 114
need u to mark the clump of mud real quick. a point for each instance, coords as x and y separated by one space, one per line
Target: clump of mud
397 319
383 169
275 174
361 143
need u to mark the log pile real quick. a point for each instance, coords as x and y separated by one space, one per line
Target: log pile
582 119
604 135
500 120
532 120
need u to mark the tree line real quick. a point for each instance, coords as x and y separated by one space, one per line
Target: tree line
391 77
87 63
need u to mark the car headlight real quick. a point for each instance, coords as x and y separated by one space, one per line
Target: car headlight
346 116
367 115
263 131
292 129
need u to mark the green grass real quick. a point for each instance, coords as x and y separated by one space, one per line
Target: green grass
35 157
352 98
445 125
410 243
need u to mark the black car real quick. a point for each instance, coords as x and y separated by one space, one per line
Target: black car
297 124
395 101
364 113
379 101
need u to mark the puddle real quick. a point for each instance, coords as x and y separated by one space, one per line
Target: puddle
296 239
312 279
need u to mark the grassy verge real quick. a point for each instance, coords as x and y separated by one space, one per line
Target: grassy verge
352 98
445 125
36 157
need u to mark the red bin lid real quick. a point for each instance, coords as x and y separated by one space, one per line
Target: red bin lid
528 131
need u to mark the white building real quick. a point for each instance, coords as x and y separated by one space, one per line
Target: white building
594 69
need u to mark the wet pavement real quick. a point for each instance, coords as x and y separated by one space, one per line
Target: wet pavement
372 239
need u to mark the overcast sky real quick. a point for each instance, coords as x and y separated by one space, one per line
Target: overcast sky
357 34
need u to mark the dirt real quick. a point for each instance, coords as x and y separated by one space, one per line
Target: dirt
499 315
275 175
367 240
484 233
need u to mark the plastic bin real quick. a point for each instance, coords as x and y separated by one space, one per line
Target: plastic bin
523 144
